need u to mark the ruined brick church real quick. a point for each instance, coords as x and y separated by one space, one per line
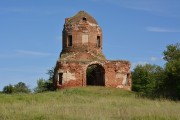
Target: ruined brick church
81 61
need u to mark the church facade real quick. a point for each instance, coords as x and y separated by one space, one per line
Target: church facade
81 61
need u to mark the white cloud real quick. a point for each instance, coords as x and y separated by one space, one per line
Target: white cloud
25 69
143 5
163 30
139 63
22 53
153 59
35 10
157 7
5 56
32 53
17 10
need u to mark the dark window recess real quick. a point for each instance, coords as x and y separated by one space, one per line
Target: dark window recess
60 78
84 19
70 40
98 41
127 79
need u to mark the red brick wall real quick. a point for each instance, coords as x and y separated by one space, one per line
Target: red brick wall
75 73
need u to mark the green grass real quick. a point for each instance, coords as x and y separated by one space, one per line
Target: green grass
87 103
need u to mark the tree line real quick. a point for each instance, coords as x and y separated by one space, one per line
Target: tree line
159 82
42 85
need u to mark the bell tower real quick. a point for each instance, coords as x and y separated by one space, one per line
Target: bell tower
82 37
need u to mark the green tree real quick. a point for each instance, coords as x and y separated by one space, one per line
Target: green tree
51 73
9 89
172 71
144 79
17 88
40 86
152 80
45 85
172 53
21 88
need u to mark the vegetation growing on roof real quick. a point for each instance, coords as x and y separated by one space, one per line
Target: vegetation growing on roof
79 16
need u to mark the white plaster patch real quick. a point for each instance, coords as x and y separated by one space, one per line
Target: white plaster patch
119 75
122 77
68 76
60 71
119 86
84 39
92 24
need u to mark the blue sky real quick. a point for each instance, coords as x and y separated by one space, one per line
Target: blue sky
30 33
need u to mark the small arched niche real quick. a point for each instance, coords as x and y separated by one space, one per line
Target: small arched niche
84 19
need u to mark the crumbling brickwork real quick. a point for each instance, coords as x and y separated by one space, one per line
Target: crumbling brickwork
81 60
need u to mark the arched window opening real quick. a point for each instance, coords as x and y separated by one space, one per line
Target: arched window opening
98 41
60 78
95 75
69 42
84 19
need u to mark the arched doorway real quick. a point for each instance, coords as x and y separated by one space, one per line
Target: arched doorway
95 75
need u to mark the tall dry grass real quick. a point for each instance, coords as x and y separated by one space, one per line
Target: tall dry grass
88 103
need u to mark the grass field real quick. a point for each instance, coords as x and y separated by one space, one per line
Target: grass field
88 103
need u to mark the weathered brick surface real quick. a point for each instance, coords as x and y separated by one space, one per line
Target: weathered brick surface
118 74
84 51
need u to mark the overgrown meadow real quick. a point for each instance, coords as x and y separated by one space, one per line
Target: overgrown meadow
86 103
